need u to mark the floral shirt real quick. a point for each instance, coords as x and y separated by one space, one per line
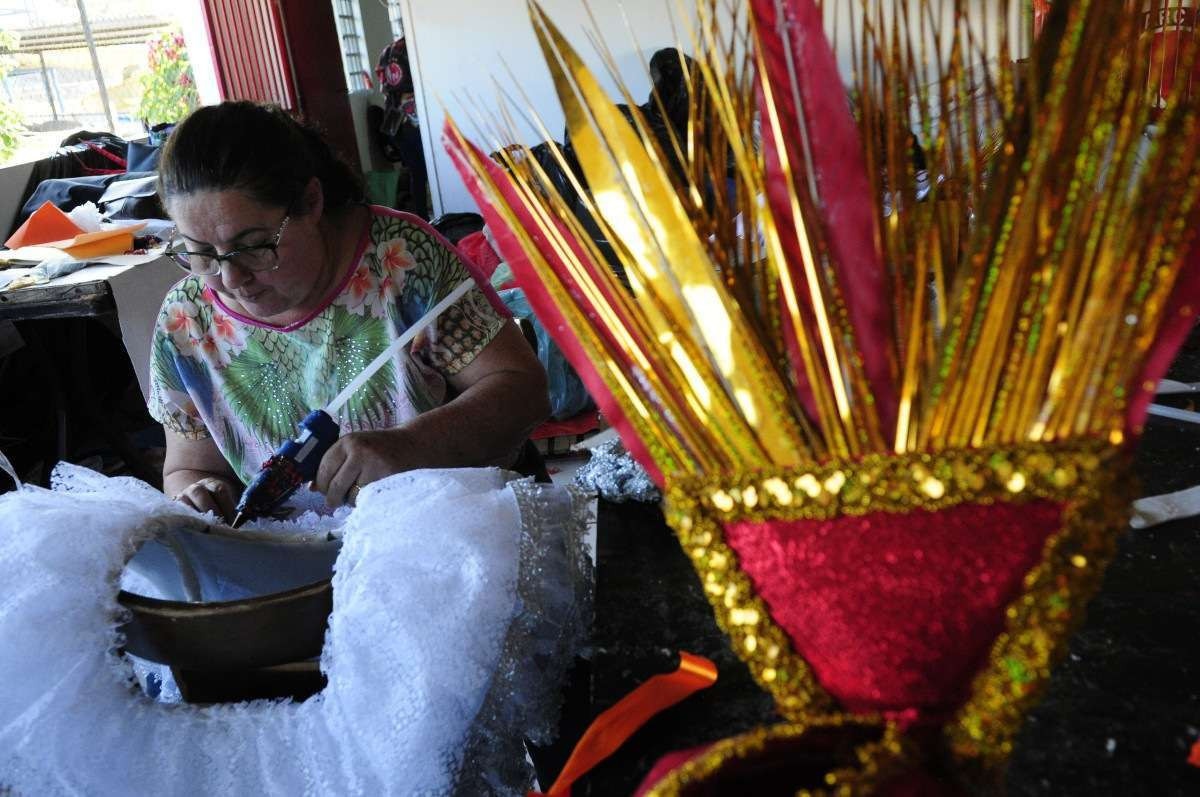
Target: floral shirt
246 384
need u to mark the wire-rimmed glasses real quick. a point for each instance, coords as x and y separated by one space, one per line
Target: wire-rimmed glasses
260 257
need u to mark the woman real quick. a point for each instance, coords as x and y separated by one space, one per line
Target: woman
294 286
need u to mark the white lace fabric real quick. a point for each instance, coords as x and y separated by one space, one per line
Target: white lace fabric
457 597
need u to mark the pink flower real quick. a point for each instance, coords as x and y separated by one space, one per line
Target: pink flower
219 350
185 79
383 291
358 290
394 74
395 258
182 324
213 351
226 331
178 38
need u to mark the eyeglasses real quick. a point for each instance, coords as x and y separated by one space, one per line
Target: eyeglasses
261 257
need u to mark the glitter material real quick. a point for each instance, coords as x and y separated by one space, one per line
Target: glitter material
895 611
1039 623
1074 494
615 475
539 649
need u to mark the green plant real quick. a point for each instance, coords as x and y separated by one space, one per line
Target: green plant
169 90
11 122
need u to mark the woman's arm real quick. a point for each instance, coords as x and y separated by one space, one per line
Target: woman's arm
195 473
502 397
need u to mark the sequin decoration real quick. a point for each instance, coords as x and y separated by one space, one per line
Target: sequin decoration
877 753
894 611
813 526
1038 625
976 350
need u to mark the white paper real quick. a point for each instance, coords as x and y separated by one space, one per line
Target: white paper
1155 509
36 254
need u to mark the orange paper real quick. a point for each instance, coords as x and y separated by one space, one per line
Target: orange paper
47 224
98 244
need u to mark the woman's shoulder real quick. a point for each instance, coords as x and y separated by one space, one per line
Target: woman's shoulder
403 245
189 291
391 224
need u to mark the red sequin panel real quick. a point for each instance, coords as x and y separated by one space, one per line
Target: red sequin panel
896 611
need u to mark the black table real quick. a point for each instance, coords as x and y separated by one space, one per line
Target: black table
57 322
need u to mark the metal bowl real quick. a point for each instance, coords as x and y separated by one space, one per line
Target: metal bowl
236 615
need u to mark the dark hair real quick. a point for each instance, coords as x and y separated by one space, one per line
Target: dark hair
258 149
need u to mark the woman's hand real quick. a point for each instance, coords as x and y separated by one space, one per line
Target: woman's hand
211 494
359 458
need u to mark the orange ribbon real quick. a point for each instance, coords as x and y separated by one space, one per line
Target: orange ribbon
614 726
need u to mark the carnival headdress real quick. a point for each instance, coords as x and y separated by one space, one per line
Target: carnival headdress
892 412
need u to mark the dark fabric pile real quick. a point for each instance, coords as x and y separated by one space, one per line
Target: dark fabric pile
87 167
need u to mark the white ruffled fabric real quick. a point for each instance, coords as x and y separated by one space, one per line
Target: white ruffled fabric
457 604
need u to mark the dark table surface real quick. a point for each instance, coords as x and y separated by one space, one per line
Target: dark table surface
1120 713
75 300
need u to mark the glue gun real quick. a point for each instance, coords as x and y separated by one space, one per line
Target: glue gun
296 461
293 463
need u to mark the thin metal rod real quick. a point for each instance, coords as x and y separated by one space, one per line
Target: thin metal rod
1174 414
91 43
46 83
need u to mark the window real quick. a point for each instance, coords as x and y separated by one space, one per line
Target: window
68 65
396 17
350 38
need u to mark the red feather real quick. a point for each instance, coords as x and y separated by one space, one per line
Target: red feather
849 225
1177 323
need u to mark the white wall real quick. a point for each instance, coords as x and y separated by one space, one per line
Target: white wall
456 47
377 30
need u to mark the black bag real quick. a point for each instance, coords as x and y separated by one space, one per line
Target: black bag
132 195
135 196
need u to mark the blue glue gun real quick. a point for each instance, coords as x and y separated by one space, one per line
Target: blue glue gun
293 463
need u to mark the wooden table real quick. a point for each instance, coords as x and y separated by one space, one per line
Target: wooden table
91 299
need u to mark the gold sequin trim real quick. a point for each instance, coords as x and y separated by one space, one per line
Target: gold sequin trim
876 761
888 483
742 614
1078 474
1038 625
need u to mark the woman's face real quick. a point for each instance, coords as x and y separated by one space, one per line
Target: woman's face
219 222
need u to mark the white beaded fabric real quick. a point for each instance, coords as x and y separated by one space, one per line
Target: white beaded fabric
426 608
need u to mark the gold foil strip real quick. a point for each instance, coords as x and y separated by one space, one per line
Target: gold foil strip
643 209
